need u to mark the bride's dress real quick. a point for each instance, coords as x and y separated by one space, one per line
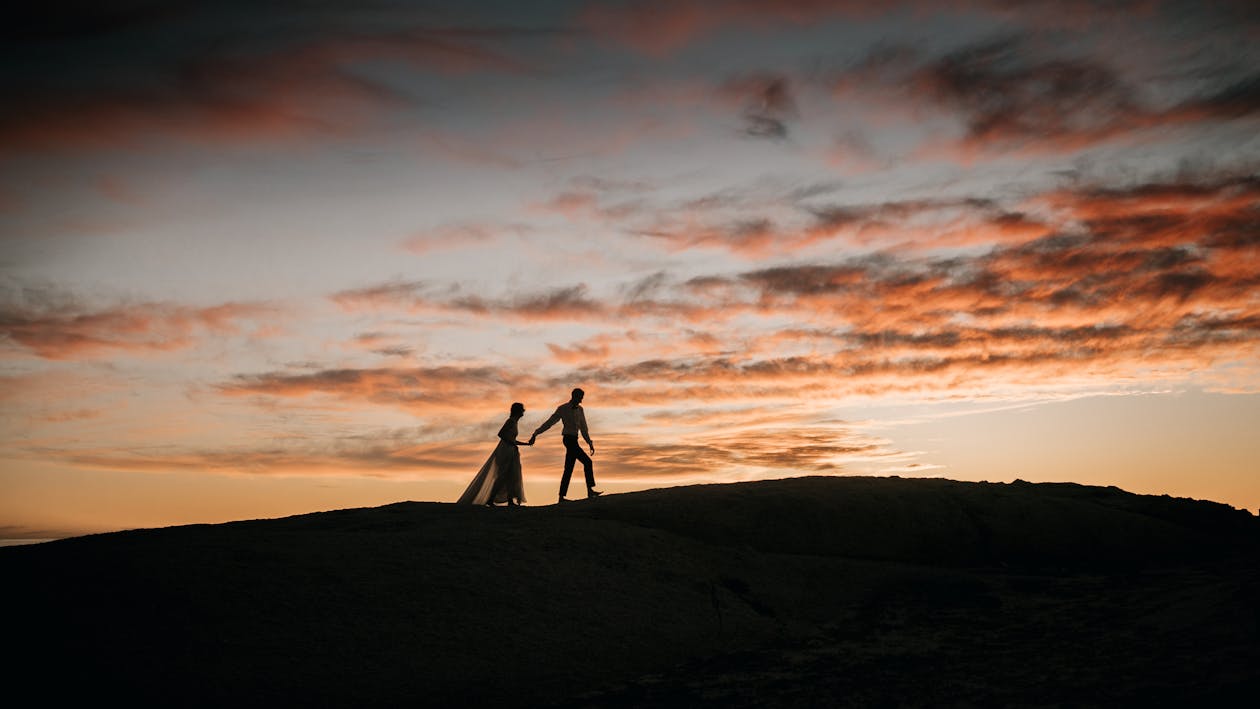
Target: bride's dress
502 467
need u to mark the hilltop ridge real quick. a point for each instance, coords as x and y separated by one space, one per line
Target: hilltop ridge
672 594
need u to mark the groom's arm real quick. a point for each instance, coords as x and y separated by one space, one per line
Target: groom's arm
581 422
548 423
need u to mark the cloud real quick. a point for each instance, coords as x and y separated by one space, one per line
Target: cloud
231 86
446 388
421 451
768 104
1007 97
69 415
772 218
1010 95
1085 249
54 325
454 236
564 302
636 344
892 225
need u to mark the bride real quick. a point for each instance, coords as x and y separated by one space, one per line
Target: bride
499 480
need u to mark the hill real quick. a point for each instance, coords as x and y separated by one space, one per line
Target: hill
800 592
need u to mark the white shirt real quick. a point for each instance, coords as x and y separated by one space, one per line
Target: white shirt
574 419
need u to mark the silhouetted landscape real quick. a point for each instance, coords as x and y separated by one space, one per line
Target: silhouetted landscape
820 591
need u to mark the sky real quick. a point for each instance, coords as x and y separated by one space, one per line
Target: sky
261 259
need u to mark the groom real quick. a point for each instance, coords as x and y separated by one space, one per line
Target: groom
574 419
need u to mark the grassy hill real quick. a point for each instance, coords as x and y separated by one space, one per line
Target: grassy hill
799 592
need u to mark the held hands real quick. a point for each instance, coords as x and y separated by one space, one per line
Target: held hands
532 439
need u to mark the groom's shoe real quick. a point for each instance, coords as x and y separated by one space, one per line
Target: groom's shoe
592 492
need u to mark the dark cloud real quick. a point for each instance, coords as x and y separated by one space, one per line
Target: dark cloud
768 102
1009 93
646 287
1237 100
1005 95
563 302
229 72
420 296
397 351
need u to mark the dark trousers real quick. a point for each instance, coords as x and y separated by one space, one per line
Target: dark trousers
573 452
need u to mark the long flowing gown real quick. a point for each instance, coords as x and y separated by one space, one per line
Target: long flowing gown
502 467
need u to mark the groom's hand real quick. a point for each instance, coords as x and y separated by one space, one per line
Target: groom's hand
591 445
533 438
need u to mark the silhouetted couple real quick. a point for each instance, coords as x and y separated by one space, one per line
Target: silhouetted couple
500 479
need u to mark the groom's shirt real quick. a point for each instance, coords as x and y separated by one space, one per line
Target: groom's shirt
574 419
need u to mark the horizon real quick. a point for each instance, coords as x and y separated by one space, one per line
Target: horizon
22 541
267 261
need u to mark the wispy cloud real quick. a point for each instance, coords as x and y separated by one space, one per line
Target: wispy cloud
56 325
448 388
421 451
768 104
1011 95
465 235
565 302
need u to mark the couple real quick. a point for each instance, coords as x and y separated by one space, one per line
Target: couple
499 480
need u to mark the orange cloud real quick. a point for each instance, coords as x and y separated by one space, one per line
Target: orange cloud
448 389
636 344
55 327
415 451
1152 258
452 236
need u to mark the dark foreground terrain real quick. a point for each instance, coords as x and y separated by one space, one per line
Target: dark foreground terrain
800 592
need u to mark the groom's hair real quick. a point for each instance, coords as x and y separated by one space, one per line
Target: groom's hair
518 406
577 392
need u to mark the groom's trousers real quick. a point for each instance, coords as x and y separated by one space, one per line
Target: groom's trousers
573 452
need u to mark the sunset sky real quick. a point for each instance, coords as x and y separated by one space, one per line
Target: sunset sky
261 259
